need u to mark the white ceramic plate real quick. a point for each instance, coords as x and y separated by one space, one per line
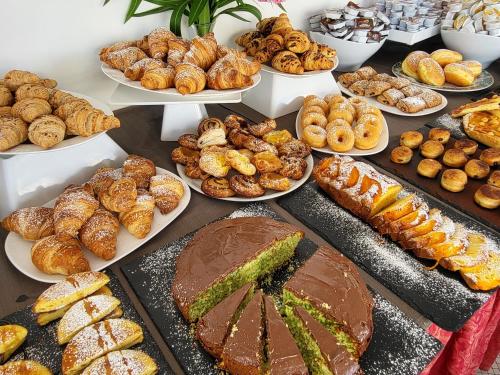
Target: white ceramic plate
482 82
382 143
393 109
270 194
119 77
18 250
30 148
270 69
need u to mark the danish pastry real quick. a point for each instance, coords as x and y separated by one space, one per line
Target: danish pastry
262 128
430 72
390 97
455 158
209 124
445 56
431 149
477 169
244 151
315 136
431 98
488 196
293 168
466 145
295 148
183 155
347 79
274 181
429 168
401 155
474 66
494 179
167 192
189 141
214 163
454 180
194 171
246 186
411 104
411 90
277 137
440 135
233 121
458 74
411 139
410 63
266 162
359 87
491 156
340 138
241 163
239 137
217 187
212 137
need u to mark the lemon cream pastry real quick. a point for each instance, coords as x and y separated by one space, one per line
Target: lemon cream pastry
474 66
431 149
410 63
411 139
445 56
458 74
430 72
455 158
401 155
429 168
477 169
440 135
454 180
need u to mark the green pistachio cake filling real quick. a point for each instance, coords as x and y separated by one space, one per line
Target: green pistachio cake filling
265 263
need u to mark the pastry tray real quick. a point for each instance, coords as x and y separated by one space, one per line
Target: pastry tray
441 296
398 345
463 201
41 343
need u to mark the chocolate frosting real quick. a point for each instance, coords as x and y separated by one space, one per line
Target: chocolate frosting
332 284
242 352
339 360
283 354
213 327
220 248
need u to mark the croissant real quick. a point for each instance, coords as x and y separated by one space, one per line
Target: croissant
223 51
177 48
189 78
72 209
288 62
275 43
265 26
86 121
115 192
6 111
202 52
124 58
158 42
223 75
30 109
16 78
140 169
13 131
159 78
315 61
47 131
244 39
58 98
6 97
32 90
263 55
48 83
282 25
254 46
103 54
136 71
297 41
139 218
167 192
99 233
327 51
66 109
31 223
59 255
248 68
143 44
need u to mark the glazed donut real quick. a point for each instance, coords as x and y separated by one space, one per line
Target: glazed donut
488 196
454 180
430 72
475 67
194 171
491 156
262 128
445 56
467 145
312 109
340 138
189 141
458 74
429 168
440 135
183 155
477 169
337 122
344 105
371 120
334 99
211 123
217 187
314 118
315 136
455 158
410 63
336 112
431 149
235 122
411 139
316 102
494 179
246 186
274 181
366 136
401 155
293 168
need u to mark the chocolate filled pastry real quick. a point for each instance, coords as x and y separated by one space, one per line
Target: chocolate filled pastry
411 90
455 158
494 179
411 139
274 181
429 168
375 88
366 72
293 167
411 104
398 82
246 186
477 169
390 97
359 87
467 145
347 79
183 155
431 149
217 187
491 156
401 155
189 141
431 98
488 196
454 180
440 135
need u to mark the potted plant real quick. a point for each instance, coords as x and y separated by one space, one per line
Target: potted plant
201 14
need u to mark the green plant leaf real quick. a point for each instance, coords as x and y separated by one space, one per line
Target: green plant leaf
105 2
163 2
176 17
281 7
197 6
242 8
154 11
134 4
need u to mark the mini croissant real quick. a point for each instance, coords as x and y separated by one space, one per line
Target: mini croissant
13 131
315 61
86 121
297 41
177 48
223 75
202 52
136 71
159 78
124 58
189 78
282 25
158 42
288 62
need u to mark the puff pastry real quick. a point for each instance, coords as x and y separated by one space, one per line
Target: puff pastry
134 362
31 223
13 131
12 337
139 218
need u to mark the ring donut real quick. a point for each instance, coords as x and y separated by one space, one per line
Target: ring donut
371 120
314 109
335 99
315 136
369 110
314 118
366 136
340 112
336 122
340 138
310 101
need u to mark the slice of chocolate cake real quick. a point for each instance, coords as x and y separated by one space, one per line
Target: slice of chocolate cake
330 288
321 350
212 329
243 351
227 254
283 355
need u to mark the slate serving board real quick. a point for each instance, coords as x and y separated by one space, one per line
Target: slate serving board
399 346
439 295
463 201
41 344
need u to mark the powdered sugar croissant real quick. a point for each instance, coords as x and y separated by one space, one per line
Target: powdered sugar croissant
189 78
31 223
13 131
124 58
158 42
202 52
86 121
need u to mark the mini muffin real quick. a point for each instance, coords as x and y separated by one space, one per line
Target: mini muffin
467 145
429 168
458 74
410 63
455 158
494 179
491 156
431 149
488 196
411 139
440 135
401 155
475 67
430 72
454 180
445 56
477 169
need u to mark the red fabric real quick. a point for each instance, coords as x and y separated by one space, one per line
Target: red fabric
476 345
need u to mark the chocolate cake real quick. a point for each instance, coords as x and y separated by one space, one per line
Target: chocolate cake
243 351
283 355
227 254
213 327
330 288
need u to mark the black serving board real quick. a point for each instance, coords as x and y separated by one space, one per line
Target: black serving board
41 344
399 345
440 295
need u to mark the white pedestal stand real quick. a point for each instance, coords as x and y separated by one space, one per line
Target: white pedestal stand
278 95
180 114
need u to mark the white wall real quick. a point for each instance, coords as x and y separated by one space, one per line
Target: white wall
61 38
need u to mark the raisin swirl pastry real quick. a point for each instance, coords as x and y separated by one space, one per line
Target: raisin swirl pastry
194 171
189 141
211 123
294 148
238 137
258 145
293 167
235 122
246 186
262 128
183 155
217 187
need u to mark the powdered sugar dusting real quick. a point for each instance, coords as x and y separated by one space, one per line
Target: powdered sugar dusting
454 125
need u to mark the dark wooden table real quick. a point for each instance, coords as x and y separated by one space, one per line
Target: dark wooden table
140 134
